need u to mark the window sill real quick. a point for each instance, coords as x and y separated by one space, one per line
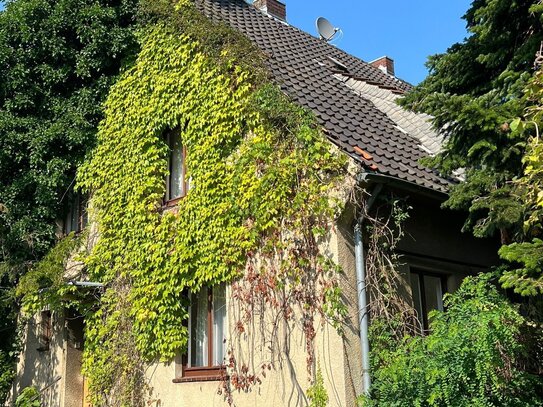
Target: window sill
197 379
172 202
201 374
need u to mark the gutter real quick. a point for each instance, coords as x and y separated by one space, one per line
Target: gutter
363 310
403 185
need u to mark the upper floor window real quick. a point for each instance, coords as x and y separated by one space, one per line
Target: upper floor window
175 180
428 289
77 216
207 334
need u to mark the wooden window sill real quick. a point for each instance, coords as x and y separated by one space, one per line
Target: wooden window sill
197 379
172 202
201 374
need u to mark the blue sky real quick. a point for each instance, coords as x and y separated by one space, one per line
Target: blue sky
406 31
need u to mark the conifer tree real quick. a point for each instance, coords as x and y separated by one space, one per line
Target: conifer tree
474 92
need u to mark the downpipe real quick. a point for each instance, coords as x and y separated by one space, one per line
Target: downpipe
363 311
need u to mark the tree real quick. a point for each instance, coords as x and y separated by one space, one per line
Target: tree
58 59
474 91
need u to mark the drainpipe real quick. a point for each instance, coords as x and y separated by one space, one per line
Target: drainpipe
363 312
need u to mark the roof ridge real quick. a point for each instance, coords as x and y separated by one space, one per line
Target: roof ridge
395 82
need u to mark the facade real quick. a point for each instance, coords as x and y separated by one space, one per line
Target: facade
355 104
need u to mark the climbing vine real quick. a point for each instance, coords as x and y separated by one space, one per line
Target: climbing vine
391 312
45 284
261 180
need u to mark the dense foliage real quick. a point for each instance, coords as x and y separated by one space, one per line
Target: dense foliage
473 356
29 397
58 59
485 96
45 284
474 91
57 62
528 255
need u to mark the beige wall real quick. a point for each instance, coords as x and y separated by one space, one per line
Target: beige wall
56 372
284 386
432 241
280 388
42 368
337 356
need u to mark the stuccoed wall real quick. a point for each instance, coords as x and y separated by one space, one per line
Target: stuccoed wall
279 388
433 240
337 357
41 368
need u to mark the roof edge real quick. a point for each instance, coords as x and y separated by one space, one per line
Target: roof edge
403 185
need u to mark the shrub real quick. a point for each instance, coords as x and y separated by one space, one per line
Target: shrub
472 357
29 397
317 393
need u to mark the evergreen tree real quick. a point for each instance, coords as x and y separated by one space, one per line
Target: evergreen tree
474 91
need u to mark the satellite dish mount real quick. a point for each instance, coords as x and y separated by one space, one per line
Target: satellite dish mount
326 30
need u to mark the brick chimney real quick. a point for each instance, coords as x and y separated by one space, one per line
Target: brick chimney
274 8
385 64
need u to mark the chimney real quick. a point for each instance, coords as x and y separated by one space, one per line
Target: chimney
385 64
274 8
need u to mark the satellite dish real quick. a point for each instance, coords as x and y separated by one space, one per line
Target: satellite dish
325 28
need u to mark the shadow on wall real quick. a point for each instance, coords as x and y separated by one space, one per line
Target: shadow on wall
41 354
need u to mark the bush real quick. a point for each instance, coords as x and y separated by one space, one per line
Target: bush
472 356
7 374
318 397
29 397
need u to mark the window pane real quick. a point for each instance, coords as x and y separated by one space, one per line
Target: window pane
176 167
72 218
84 212
198 329
433 293
219 324
417 300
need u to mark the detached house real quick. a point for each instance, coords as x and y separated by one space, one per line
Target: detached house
355 103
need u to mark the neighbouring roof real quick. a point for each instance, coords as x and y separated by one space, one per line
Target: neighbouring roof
353 101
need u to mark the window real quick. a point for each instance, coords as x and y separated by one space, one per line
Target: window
428 289
77 217
45 330
207 327
175 180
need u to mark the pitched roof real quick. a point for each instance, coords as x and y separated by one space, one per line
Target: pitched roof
352 100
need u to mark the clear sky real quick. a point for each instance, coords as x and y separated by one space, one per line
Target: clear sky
408 31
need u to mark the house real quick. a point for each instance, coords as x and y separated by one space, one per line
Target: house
354 102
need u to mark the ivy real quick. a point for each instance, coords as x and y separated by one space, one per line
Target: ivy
58 59
57 62
45 284
317 395
258 167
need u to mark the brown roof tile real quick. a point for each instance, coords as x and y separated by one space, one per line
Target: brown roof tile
300 64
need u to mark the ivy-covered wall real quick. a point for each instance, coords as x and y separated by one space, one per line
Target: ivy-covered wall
259 166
